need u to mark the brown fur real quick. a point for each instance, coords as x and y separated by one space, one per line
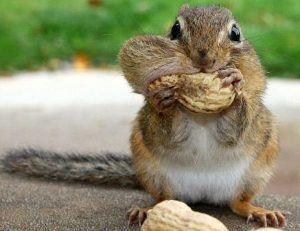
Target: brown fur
161 125
247 119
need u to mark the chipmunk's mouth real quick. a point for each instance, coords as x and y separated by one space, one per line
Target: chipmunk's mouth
214 68
209 70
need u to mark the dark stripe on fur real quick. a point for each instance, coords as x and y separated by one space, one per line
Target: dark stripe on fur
106 168
231 127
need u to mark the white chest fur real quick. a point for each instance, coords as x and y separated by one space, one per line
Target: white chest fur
201 169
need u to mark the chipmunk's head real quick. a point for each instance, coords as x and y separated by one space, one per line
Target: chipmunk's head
209 35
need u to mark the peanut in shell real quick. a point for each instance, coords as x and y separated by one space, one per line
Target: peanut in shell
199 93
171 215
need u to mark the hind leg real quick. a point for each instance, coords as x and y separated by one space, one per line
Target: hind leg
258 175
243 207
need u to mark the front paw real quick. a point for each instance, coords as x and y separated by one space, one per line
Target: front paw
232 76
163 98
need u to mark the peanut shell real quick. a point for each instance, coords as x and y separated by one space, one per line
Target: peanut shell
174 215
200 93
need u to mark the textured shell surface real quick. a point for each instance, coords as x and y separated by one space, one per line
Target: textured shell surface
199 93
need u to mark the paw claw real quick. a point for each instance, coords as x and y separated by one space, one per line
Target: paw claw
280 217
250 218
263 220
272 219
132 214
285 213
136 215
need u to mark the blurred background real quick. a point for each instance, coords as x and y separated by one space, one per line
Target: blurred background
61 88
50 34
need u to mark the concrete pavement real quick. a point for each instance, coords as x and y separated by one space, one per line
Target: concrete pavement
92 111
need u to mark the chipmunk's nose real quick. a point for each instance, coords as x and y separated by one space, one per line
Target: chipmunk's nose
204 59
202 53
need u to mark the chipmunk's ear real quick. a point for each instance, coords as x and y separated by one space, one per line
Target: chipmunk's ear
183 8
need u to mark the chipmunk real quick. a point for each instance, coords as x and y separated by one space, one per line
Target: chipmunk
224 158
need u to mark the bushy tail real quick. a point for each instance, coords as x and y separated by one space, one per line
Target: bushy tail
107 168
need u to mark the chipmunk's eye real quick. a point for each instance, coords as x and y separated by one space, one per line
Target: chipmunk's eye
235 34
176 31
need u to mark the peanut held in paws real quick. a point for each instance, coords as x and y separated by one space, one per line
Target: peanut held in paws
200 93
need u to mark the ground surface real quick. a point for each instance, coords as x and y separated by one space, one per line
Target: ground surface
92 111
35 205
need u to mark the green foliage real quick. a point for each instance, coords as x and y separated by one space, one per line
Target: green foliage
37 31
